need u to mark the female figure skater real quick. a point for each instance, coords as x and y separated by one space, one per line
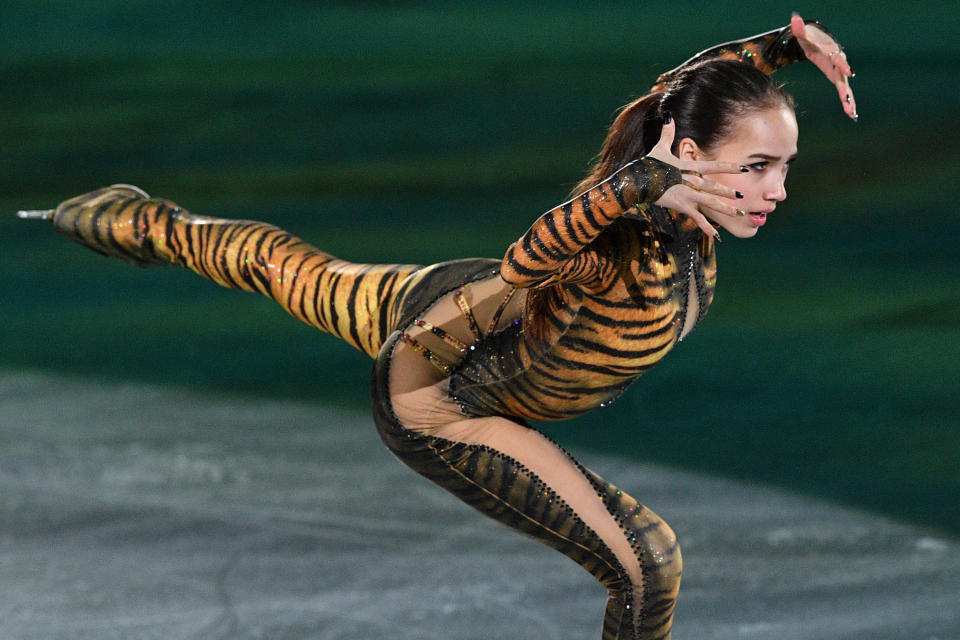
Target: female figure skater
597 291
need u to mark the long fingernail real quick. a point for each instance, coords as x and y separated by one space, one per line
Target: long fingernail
667 117
741 212
744 169
716 236
848 98
738 194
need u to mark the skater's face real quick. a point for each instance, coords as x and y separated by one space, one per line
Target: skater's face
765 142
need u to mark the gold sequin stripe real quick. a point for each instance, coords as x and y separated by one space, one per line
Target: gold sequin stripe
467 313
451 340
434 359
499 312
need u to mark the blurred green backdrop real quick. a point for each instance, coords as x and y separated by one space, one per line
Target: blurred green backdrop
419 132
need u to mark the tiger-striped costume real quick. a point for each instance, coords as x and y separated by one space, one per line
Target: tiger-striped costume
456 376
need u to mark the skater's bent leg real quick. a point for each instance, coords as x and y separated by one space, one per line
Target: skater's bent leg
520 478
632 551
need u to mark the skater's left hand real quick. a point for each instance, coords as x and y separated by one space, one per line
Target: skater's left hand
825 52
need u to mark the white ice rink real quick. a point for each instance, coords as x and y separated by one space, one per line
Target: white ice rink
141 512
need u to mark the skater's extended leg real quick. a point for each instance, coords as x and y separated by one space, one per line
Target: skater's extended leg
349 300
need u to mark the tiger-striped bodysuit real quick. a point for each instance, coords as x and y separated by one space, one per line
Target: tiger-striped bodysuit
456 375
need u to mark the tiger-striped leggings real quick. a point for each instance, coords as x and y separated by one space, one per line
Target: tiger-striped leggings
496 464
515 475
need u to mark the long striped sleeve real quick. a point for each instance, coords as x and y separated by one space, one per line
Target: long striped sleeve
767 52
550 250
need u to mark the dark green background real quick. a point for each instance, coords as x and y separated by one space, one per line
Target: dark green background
418 132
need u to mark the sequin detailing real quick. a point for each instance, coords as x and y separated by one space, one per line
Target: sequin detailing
467 313
447 337
500 308
435 360
621 275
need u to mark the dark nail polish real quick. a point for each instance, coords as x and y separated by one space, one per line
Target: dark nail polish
716 237
738 194
848 98
744 169
667 117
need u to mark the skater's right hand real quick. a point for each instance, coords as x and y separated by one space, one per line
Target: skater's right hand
701 199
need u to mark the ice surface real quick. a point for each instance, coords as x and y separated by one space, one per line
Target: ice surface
143 512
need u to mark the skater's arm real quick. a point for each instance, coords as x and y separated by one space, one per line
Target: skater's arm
545 253
770 51
552 250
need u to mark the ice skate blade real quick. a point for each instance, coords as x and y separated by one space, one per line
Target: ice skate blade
36 214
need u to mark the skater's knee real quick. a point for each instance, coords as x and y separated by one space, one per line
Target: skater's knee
662 549
657 562
660 555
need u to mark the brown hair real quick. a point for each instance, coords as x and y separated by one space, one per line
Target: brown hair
705 100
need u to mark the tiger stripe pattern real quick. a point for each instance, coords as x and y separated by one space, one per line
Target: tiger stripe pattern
768 52
502 488
626 281
348 300
620 273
